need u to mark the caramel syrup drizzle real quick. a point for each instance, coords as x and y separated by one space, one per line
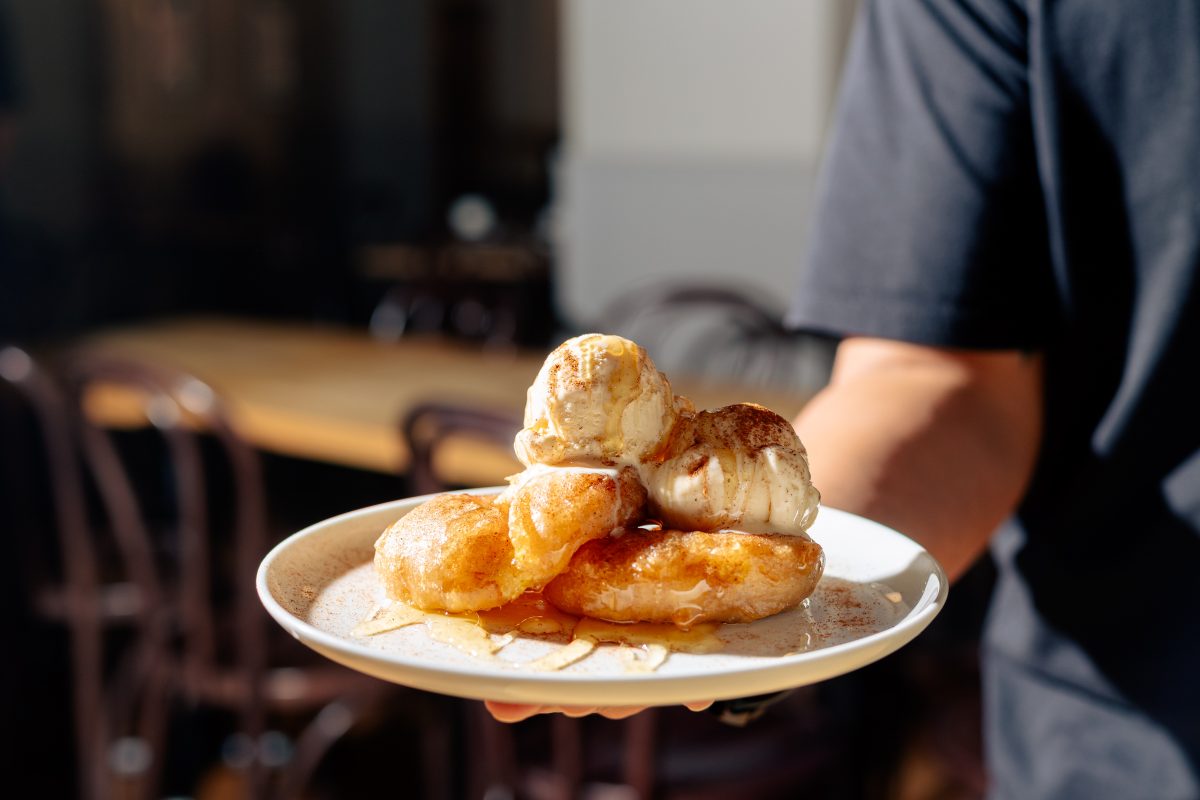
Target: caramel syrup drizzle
484 633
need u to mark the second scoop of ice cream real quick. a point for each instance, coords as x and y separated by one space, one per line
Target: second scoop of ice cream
741 467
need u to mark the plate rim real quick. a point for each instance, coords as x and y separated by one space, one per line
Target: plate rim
892 638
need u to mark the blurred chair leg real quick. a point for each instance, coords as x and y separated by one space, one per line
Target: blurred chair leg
437 749
154 719
640 734
337 718
567 738
494 741
126 757
90 722
330 724
253 725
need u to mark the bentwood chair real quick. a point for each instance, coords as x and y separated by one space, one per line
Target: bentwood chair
429 427
719 332
188 526
77 596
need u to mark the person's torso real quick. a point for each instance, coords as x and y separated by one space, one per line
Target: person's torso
1100 572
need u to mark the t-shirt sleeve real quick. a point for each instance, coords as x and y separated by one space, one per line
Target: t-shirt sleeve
929 224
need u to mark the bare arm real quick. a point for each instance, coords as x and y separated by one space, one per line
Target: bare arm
938 444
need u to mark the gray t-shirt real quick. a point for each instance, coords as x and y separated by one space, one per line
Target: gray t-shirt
1026 175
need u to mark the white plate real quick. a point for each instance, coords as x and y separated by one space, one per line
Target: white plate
880 590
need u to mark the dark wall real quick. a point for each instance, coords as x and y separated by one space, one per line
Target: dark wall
176 156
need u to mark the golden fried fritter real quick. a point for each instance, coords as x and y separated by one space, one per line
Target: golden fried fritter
687 577
450 553
461 552
553 512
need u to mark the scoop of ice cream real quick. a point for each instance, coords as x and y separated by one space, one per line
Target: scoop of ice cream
740 467
597 399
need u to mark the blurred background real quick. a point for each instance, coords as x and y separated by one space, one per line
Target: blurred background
294 158
183 181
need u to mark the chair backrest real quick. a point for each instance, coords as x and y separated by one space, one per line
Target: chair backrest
718 331
429 426
172 513
491 294
186 561
50 407
73 599
184 498
162 566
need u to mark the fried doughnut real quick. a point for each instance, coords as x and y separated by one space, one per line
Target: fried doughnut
450 553
688 577
553 511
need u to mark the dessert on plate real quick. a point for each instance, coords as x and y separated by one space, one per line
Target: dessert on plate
633 506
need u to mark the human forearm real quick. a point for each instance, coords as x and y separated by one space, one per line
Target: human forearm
937 444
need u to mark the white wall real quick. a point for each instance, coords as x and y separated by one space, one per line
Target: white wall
699 78
692 130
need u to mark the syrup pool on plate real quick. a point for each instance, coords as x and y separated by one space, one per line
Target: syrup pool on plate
483 634
530 634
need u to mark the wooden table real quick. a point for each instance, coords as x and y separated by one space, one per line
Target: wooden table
336 395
